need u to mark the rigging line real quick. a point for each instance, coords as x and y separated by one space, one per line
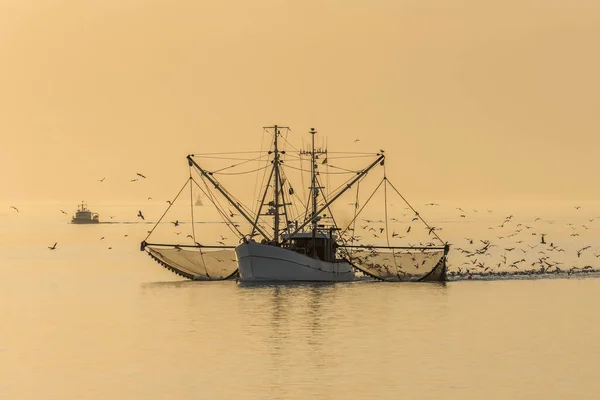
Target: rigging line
352 157
416 213
344 169
261 204
237 173
237 201
294 194
167 210
325 198
230 224
285 212
291 145
355 215
233 198
326 173
192 207
218 206
238 164
228 152
193 224
303 187
354 152
224 158
363 207
262 143
387 231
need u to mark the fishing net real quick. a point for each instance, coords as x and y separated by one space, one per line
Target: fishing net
394 265
195 263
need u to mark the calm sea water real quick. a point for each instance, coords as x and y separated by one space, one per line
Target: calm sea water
86 322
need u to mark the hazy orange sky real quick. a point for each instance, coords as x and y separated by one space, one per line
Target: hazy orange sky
487 100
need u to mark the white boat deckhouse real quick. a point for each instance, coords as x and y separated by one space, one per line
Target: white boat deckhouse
290 238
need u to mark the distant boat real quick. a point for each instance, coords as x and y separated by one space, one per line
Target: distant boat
85 216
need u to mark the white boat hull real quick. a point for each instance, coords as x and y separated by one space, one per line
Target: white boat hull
264 263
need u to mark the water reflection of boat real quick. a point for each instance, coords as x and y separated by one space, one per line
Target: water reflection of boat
85 216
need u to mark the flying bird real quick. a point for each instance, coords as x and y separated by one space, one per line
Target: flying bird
53 247
141 175
102 180
15 208
141 215
582 250
176 223
64 212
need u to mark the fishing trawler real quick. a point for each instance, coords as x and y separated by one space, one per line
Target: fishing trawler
85 216
288 240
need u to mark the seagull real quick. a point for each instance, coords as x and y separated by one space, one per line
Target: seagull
169 201
53 247
220 242
356 140
432 204
577 207
189 236
149 198
102 180
102 238
140 214
231 214
408 230
176 223
16 209
141 175
582 250
134 180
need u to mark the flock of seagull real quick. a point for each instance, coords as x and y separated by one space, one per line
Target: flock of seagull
480 257
517 248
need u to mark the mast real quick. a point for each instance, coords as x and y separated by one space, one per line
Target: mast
276 188
313 175
275 204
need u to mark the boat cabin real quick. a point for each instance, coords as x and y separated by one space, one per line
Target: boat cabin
323 246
